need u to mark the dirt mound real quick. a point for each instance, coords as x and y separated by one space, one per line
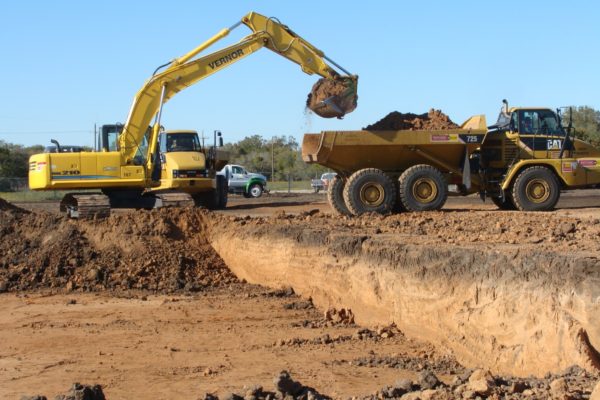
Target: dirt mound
395 121
159 250
6 206
331 98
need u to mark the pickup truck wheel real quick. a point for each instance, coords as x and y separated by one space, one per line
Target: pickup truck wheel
422 188
335 196
535 189
370 190
505 204
255 190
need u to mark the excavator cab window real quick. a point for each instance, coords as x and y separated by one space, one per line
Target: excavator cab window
108 138
140 155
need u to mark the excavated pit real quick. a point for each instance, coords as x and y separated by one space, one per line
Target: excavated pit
517 293
511 295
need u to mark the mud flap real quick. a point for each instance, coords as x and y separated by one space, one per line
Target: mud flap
466 175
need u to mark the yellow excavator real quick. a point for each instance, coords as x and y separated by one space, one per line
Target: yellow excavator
136 172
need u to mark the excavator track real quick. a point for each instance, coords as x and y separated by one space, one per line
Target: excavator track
85 205
174 199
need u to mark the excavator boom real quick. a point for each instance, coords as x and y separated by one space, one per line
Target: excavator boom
186 71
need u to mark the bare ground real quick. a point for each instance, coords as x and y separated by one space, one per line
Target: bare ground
218 340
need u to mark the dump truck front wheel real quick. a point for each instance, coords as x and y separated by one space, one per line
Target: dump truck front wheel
422 188
535 189
370 190
335 195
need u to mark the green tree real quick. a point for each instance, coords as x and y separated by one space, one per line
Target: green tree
586 124
13 161
283 153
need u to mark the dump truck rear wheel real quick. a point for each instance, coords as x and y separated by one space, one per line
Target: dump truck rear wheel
423 188
504 204
335 195
535 189
370 190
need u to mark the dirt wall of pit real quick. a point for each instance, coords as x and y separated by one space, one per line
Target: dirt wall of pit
496 306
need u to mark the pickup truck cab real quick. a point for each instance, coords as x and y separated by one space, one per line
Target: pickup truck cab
242 182
323 183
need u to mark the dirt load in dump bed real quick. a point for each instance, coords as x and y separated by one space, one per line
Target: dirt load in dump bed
341 94
396 121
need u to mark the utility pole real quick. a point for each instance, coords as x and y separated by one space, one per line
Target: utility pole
273 159
203 138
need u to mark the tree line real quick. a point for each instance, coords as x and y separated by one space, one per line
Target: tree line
280 154
278 158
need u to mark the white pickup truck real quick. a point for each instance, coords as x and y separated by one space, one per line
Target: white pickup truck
323 183
242 182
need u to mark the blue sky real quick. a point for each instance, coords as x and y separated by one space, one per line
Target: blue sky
66 65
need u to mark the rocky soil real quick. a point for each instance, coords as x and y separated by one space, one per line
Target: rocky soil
505 291
484 289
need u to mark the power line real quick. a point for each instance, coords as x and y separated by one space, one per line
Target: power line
43 132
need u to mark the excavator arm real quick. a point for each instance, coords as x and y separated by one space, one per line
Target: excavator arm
188 70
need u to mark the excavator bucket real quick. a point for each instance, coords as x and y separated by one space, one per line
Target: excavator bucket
331 98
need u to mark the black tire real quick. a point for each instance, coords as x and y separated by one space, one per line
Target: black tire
535 189
207 199
335 196
214 199
422 188
255 191
247 195
222 192
506 204
370 190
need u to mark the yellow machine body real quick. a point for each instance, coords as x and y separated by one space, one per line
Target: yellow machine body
522 162
132 166
395 151
84 170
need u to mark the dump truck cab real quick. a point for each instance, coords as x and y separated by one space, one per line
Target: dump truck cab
183 162
529 155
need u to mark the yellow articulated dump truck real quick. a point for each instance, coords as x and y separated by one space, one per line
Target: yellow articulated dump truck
521 163
138 164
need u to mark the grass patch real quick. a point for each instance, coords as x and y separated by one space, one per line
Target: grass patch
283 185
34 196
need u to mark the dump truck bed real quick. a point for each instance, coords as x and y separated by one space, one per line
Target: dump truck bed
390 151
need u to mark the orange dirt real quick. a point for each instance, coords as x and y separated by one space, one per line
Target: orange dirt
396 121
341 92
434 293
